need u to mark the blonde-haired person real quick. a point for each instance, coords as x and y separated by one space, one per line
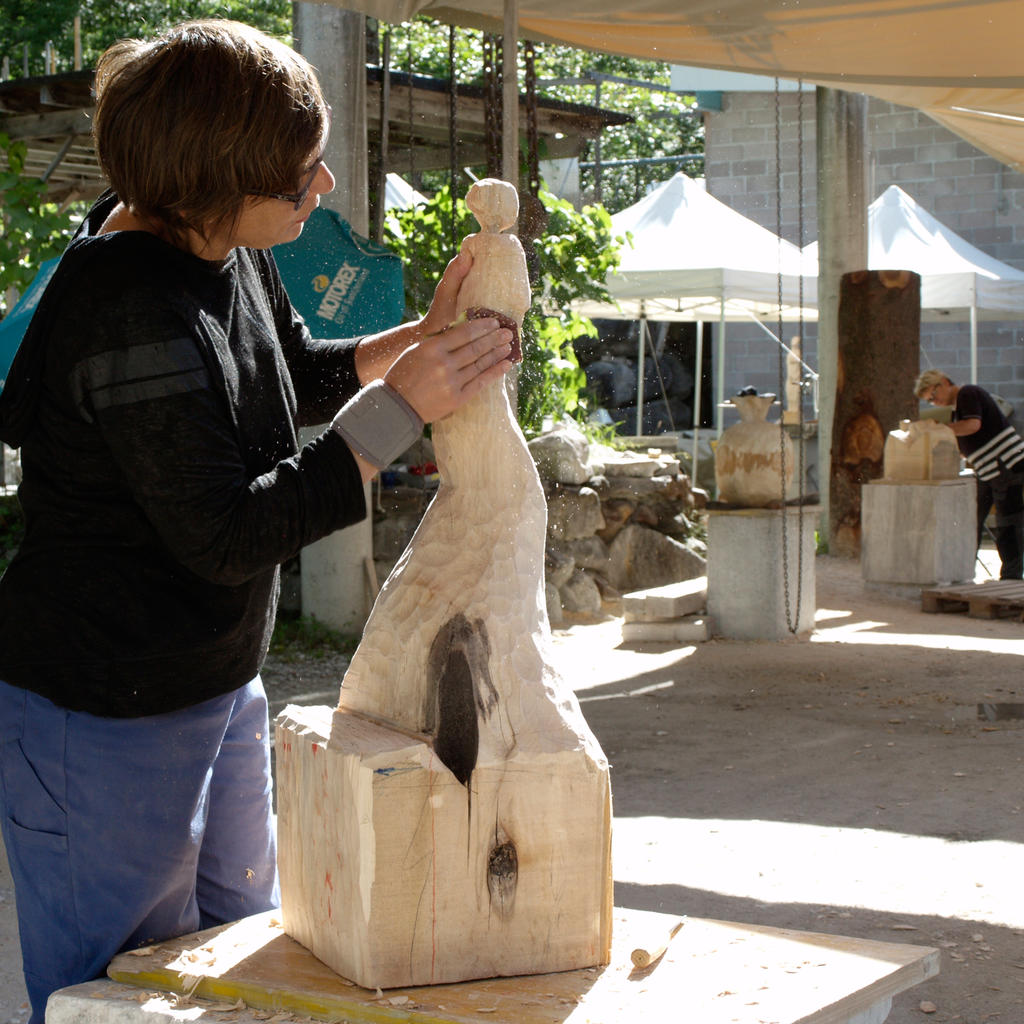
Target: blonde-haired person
995 451
157 398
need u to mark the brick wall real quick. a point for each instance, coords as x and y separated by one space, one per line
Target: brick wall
973 194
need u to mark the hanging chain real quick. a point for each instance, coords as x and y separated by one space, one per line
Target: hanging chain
532 147
492 58
453 138
408 71
380 159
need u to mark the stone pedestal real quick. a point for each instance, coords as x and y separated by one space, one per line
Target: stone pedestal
748 566
922 532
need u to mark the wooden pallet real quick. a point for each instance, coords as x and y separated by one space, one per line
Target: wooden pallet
992 600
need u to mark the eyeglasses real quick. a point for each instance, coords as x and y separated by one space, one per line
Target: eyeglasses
298 198
929 395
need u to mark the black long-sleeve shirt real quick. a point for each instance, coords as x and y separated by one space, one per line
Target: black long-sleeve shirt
156 398
995 448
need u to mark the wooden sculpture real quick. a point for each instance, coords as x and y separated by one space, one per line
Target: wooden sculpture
753 458
921 450
451 819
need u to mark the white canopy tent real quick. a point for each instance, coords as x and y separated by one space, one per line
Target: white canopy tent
958 280
697 260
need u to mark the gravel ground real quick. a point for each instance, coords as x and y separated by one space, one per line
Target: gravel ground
844 784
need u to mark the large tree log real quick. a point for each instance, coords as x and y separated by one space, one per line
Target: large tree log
879 356
452 818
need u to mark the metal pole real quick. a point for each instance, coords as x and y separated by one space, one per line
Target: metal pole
641 349
974 337
720 381
698 381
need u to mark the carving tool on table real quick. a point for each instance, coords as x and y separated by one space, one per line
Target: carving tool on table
644 958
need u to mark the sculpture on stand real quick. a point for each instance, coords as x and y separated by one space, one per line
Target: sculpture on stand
921 450
760 544
750 455
451 818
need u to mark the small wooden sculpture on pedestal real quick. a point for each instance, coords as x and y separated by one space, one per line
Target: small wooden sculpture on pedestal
753 458
451 819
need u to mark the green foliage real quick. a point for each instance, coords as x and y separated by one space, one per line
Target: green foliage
33 23
551 383
296 638
32 230
421 46
665 124
426 239
575 253
571 258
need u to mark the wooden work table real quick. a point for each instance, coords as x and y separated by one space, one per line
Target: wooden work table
714 972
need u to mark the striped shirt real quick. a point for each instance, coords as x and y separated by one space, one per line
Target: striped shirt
999 455
995 448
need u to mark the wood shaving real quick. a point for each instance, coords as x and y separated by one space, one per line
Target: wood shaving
190 983
224 1007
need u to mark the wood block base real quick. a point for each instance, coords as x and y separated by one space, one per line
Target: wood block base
394 873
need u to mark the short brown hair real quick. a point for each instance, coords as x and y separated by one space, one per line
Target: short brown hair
928 380
190 122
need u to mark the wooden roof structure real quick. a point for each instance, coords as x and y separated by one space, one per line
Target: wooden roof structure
53 115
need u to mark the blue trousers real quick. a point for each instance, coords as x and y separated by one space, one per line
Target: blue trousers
122 832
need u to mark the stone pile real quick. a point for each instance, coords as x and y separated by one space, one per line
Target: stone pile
618 521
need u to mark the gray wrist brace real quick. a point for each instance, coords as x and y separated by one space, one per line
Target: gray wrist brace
378 424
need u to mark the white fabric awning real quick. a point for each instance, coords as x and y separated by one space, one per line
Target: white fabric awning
958 60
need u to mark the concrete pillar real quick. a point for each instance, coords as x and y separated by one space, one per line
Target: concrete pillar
761 572
334 587
920 533
334 42
842 243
